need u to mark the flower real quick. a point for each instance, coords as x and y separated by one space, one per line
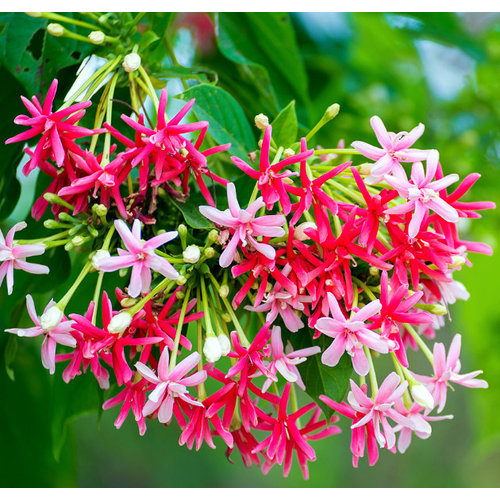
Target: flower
244 226
287 363
170 384
58 128
351 335
59 334
422 194
395 149
140 256
446 369
13 256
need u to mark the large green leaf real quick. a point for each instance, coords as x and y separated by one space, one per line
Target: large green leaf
227 120
285 126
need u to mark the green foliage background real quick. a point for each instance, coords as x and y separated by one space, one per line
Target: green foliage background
437 68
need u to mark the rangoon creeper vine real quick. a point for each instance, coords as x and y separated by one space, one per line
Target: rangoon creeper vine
328 260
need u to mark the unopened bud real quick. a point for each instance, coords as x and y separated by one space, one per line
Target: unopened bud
299 233
120 322
50 319
288 152
457 261
128 302
225 344
182 230
366 169
181 280
374 271
180 295
131 62
192 254
209 252
78 240
438 309
98 256
34 14
261 121
212 349
213 236
55 29
226 317
224 291
97 37
332 112
100 210
422 396
51 224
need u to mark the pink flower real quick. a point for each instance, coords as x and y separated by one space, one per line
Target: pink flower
351 335
60 334
170 384
287 363
244 226
13 256
446 369
140 256
395 149
422 194
58 128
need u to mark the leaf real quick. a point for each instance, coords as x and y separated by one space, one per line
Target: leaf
82 396
319 378
285 126
10 355
191 213
227 120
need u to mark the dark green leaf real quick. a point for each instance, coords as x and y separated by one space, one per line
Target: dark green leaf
9 355
227 120
191 213
285 126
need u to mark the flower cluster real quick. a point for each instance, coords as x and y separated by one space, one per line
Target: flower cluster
329 262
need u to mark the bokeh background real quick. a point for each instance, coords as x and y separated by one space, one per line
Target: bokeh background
441 69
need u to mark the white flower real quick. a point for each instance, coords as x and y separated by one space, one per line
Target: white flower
89 66
212 349
225 344
131 62
422 396
191 254
120 322
51 318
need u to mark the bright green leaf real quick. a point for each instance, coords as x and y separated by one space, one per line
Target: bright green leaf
285 126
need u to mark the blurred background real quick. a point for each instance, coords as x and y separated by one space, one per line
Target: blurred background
441 69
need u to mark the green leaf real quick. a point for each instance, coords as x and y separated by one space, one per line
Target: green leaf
82 396
227 120
10 355
285 126
191 213
319 378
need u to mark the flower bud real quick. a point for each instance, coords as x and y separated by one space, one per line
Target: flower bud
438 309
98 256
261 121
100 210
374 271
181 280
78 241
131 62
120 322
422 396
128 302
457 261
192 254
182 230
209 252
288 152
299 233
224 291
213 236
332 111
225 344
55 29
51 318
34 14
97 37
212 349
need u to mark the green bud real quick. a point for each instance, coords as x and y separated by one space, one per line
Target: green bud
55 29
181 280
78 241
209 252
213 236
100 210
332 112
182 229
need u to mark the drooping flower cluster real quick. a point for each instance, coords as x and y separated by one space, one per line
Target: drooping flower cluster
217 324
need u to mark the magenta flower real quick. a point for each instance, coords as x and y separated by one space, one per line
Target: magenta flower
13 256
446 369
60 334
395 149
244 226
422 194
58 128
286 362
170 384
140 256
351 335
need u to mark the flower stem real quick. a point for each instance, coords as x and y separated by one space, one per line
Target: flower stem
67 297
420 343
180 324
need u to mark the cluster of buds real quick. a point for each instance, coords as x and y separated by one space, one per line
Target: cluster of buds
329 260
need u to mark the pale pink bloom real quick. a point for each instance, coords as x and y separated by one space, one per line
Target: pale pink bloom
280 302
244 226
285 362
170 384
422 193
13 256
60 334
351 335
446 369
420 418
382 407
141 256
395 149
